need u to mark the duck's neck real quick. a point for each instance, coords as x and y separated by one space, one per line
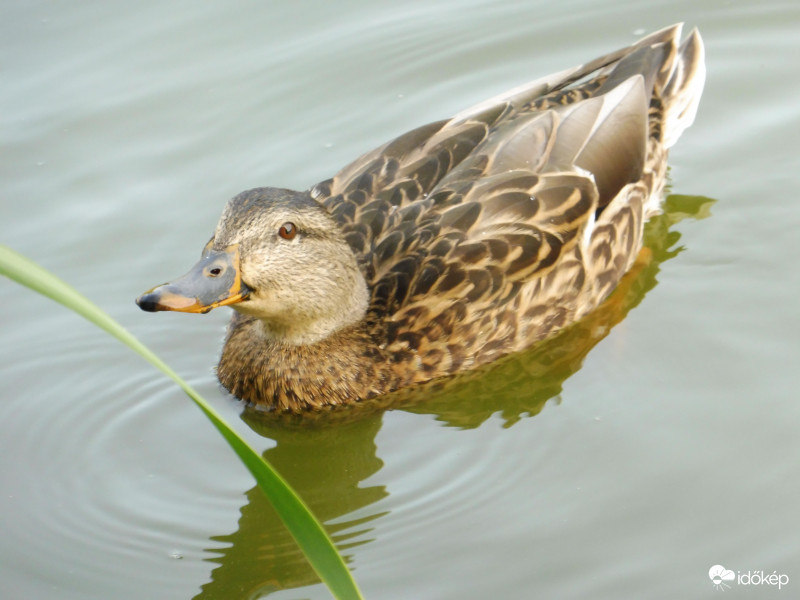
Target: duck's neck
342 368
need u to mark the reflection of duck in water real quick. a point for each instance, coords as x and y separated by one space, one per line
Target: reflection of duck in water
328 468
455 244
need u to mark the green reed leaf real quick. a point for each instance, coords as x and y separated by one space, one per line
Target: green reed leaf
301 523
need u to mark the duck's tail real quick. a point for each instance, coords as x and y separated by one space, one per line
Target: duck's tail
684 86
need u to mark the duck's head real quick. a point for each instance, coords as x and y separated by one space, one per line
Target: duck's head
276 255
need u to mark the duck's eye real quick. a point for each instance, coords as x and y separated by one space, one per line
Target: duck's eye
287 231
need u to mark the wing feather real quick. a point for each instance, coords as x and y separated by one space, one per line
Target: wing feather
465 216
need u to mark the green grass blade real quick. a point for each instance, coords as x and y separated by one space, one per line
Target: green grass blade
304 527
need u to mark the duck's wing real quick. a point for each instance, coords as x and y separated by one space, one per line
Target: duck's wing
514 208
408 168
467 210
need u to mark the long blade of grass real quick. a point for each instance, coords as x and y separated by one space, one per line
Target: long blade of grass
304 527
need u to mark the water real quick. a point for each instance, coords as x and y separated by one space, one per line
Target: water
622 460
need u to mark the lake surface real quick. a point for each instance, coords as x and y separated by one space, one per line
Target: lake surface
620 460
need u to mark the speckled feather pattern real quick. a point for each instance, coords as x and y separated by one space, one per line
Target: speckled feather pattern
481 235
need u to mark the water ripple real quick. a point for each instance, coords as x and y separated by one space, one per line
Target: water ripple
100 476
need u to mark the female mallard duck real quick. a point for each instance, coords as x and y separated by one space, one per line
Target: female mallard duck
454 244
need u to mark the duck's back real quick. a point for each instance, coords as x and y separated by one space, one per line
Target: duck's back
482 234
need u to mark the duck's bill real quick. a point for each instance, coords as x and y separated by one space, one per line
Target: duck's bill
212 282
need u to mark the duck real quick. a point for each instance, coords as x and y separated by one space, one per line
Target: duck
456 243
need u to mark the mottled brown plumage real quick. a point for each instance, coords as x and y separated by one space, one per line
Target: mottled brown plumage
454 244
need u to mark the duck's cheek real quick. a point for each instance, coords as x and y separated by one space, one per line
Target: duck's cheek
261 304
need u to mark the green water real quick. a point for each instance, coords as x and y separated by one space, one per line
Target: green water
623 458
